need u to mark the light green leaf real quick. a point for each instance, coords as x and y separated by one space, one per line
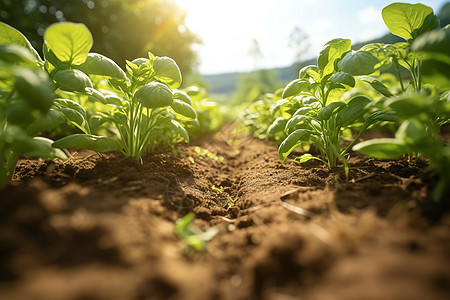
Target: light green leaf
70 42
88 142
18 55
292 141
10 35
183 109
276 127
295 87
386 148
409 20
97 64
358 63
178 128
167 71
154 94
331 51
310 71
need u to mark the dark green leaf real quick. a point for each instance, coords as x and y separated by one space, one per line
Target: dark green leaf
354 110
332 108
49 121
35 87
180 95
344 78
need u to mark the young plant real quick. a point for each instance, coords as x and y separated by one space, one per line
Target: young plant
193 237
26 95
322 117
143 103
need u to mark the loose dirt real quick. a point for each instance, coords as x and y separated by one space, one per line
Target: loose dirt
103 227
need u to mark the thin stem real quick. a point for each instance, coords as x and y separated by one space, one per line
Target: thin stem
397 68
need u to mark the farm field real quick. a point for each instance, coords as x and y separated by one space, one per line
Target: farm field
93 228
127 181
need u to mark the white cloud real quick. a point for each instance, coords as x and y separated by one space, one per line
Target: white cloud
320 25
369 15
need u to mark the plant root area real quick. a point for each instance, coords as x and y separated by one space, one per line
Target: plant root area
104 227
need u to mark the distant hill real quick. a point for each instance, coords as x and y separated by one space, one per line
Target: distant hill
226 83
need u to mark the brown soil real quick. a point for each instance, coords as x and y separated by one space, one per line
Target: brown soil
103 228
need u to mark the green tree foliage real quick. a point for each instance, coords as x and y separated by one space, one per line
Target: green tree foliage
121 29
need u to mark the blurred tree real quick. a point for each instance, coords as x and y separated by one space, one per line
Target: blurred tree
122 29
252 86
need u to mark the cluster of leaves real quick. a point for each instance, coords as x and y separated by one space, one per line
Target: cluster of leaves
331 102
141 107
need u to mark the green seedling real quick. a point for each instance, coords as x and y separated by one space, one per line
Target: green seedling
193 237
206 153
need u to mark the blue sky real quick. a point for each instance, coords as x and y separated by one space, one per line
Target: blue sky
227 28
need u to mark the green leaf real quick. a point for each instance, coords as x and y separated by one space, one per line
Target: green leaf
290 142
294 88
71 110
408 106
167 71
354 110
88 142
332 108
413 133
96 95
296 119
97 64
49 121
409 20
70 42
18 55
180 95
310 71
386 148
35 87
382 116
305 158
344 78
10 35
183 109
358 63
154 94
72 80
332 51
276 127
377 85
178 128
434 45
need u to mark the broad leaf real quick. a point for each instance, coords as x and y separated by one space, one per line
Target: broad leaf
434 45
10 35
408 106
71 110
49 121
35 87
183 109
167 71
386 148
88 142
292 141
354 110
70 42
276 127
178 128
180 95
331 51
409 20
344 78
358 63
72 80
17 55
295 87
326 112
154 94
310 71
97 64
